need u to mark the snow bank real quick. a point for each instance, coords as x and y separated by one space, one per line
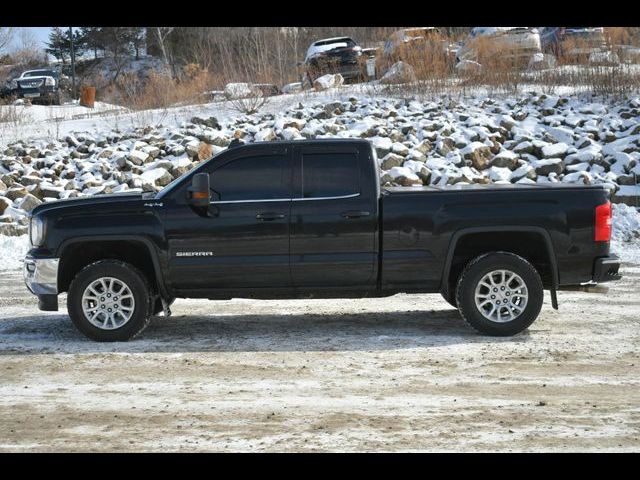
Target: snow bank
626 223
12 252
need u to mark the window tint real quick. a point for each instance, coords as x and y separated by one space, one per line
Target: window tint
252 178
330 174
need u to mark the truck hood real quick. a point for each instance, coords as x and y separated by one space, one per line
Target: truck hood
116 201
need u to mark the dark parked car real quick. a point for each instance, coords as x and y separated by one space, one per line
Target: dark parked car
37 85
306 219
334 55
572 43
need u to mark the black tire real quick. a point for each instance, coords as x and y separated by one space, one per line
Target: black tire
473 274
450 299
140 290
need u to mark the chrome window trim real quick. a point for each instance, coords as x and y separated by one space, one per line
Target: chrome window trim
353 195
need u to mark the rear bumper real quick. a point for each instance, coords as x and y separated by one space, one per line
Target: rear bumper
605 269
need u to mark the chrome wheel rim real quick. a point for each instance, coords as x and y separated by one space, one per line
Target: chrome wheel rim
108 303
501 296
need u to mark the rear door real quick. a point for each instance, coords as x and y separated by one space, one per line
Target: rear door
333 218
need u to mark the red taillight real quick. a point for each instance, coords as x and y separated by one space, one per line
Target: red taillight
603 222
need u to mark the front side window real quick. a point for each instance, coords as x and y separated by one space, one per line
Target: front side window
330 174
252 178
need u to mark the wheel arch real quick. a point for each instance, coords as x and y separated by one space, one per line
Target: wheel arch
76 253
460 244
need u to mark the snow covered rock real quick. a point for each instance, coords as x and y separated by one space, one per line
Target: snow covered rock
404 176
400 72
265 135
391 160
505 159
555 150
548 166
478 153
240 90
157 176
138 157
292 87
4 204
330 80
29 202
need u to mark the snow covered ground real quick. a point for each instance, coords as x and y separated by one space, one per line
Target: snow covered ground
402 373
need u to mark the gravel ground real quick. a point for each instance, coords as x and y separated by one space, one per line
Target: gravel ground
401 373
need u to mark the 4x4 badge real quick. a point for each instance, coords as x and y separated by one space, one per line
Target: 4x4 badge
153 204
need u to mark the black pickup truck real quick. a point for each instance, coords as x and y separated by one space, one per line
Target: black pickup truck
309 219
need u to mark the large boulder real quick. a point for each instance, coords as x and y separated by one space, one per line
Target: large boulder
265 135
4 204
330 80
138 157
157 176
479 154
548 166
16 192
400 72
29 202
392 160
505 159
241 90
556 150
525 171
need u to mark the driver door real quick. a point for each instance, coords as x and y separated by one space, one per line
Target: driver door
243 239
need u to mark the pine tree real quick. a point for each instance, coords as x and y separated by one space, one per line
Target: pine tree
92 39
58 44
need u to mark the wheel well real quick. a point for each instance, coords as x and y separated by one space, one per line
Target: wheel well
78 255
529 245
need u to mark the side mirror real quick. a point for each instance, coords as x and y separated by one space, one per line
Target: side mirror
199 193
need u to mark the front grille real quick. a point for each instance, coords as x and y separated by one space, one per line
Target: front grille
31 83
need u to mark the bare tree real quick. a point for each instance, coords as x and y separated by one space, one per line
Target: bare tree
27 51
162 35
6 36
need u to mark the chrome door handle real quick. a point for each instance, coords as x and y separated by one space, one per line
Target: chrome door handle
355 214
267 216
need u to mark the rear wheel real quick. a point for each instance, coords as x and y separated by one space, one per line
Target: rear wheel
499 294
109 301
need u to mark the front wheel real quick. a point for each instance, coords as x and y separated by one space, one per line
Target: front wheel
499 294
109 301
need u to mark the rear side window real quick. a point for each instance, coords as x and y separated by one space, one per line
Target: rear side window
252 178
330 174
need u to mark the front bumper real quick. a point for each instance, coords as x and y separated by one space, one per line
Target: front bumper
41 278
605 269
41 275
43 92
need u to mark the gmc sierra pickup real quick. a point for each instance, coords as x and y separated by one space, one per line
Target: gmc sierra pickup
309 219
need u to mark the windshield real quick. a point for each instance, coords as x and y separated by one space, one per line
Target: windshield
40 73
333 41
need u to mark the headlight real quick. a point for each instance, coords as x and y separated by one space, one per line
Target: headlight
36 231
49 81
